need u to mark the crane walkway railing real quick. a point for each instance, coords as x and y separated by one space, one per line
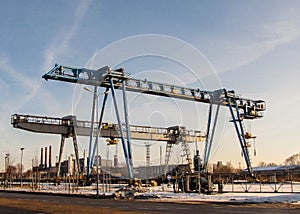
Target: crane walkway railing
252 108
55 125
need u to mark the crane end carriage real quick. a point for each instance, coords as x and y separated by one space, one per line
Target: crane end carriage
250 109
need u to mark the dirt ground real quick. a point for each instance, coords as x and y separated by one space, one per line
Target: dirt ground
41 207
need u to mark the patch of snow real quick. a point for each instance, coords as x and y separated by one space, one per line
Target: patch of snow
165 193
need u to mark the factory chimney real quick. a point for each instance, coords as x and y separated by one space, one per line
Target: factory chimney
50 156
115 160
46 157
42 157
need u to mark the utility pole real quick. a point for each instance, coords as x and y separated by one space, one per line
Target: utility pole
21 173
6 168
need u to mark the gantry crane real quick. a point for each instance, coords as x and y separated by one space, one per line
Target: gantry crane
240 108
69 126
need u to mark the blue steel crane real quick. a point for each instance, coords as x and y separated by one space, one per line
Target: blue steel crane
240 108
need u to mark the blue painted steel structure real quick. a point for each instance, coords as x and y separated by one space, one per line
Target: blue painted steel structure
128 137
125 150
210 134
92 128
117 79
237 120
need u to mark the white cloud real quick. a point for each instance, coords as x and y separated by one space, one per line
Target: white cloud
279 33
28 83
231 54
61 44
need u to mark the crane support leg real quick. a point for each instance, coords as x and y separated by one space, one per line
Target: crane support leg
207 132
240 130
61 149
128 137
92 130
130 171
99 125
76 151
210 135
245 150
187 152
169 149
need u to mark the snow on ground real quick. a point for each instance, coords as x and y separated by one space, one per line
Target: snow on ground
240 197
232 197
165 193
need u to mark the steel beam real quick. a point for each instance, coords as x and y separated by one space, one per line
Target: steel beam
61 149
100 124
92 130
240 137
128 137
210 135
101 78
75 144
130 171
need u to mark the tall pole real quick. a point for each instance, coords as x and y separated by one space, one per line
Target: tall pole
6 168
91 156
97 136
100 121
21 166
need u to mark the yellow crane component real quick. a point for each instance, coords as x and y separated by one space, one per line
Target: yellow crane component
112 141
248 135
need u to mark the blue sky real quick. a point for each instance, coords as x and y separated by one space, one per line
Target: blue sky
253 47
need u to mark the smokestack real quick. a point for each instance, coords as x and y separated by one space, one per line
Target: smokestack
42 157
50 156
46 158
84 161
160 155
115 160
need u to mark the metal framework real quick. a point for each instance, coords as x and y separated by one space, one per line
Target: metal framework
240 108
69 126
102 76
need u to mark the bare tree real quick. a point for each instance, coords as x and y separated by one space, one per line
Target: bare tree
227 168
293 160
262 164
18 169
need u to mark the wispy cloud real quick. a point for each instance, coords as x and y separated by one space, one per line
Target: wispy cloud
61 44
14 95
28 83
260 40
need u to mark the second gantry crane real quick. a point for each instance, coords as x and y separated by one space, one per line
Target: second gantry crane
70 127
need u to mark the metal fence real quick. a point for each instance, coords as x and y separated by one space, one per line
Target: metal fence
269 182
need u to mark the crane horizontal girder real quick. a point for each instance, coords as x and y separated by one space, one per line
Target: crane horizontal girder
101 77
64 125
